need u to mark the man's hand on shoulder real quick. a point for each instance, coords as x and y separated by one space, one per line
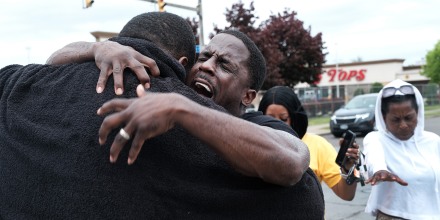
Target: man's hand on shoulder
112 58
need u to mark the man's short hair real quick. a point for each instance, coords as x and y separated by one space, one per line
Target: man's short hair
256 61
168 31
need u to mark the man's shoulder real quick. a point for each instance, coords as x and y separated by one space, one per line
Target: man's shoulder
259 118
23 69
12 67
7 71
27 74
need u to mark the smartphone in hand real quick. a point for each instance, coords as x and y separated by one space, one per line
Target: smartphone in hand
348 141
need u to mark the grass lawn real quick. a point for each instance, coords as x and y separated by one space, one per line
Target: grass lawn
319 120
432 107
432 111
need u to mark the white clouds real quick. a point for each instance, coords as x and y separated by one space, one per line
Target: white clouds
368 29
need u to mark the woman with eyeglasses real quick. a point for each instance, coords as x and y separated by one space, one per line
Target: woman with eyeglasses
282 103
403 160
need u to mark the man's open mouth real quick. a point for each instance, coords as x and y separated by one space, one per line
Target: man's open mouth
203 89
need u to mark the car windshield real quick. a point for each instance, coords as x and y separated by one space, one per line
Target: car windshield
361 102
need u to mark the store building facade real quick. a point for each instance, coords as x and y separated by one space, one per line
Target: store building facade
340 82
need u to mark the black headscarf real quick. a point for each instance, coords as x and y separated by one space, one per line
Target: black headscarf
285 96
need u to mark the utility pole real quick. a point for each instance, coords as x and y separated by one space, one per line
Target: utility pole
200 14
197 9
337 70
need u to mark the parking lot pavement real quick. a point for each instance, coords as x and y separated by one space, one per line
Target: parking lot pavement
338 209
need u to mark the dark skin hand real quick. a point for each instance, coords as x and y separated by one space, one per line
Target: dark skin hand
127 110
111 58
383 175
120 60
342 189
352 153
250 153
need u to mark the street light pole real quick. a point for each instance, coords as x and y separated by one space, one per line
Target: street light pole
199 12
337 71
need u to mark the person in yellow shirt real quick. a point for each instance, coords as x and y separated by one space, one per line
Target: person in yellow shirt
282 103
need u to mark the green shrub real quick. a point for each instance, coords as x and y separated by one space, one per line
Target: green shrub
358 91
376 87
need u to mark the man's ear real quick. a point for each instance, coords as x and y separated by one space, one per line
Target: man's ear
183 61
248 97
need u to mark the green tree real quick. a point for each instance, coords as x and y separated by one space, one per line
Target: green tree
240 18
432 67
430 94
292 54
300 55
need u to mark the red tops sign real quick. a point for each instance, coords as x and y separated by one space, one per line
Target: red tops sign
343 75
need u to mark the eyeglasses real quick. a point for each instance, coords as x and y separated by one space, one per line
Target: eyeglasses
390 91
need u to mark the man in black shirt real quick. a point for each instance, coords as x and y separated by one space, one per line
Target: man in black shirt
50 169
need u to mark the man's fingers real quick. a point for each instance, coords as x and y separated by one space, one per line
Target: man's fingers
150 64
124 135
103 76
118 143
118 78
136 146
142 75
108 124
140 90
114 105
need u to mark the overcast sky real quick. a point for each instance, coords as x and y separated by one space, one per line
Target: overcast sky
370 30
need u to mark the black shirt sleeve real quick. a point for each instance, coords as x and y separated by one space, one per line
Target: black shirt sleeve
268 121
